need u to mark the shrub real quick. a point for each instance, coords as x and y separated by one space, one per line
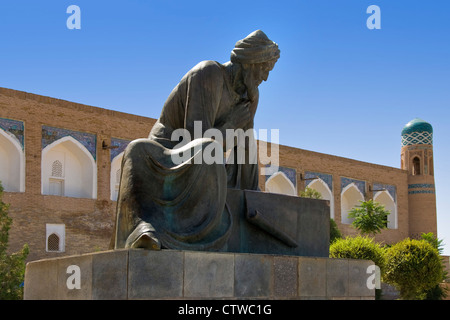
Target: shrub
359 247
438 292
12 266
413 267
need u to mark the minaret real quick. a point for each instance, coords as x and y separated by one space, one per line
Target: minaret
417 159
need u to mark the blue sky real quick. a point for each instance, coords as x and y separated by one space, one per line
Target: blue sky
338 88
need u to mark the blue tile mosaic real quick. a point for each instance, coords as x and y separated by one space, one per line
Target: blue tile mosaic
14 127
389 188
52 134
120 145
420 185
361 185
417 138
421 191
290 173
327 178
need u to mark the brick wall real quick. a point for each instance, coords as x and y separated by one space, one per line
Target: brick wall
303 160
88 222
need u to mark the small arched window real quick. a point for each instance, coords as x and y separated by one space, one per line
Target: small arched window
55 237
53 242
416 166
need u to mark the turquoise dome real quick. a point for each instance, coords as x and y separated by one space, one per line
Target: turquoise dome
417 131
417 125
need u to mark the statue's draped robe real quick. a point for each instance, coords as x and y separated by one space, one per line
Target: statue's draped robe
182 205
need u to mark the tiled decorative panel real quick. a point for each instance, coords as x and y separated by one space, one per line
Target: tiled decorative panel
417 138
121 144
420 185
327 178
421 191
52 134
14 127
290 173
416 188
389 188
361 185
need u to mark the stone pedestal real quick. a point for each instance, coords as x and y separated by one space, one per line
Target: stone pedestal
173 274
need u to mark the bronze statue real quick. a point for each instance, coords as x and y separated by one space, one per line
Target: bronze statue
164 204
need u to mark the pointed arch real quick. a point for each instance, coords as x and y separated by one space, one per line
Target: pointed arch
55 237
115 175
322 187
384 198
53 242
280 183
350 197
12 163
78 169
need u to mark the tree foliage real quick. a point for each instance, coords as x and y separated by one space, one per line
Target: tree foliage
414 267
12 266
438 292
370 217
310 193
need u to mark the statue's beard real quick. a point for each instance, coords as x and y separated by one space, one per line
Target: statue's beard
244 83
252 92
251 85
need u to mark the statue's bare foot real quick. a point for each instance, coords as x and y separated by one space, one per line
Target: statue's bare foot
147 241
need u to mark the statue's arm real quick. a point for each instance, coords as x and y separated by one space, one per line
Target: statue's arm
203 90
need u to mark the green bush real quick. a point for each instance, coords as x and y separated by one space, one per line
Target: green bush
359 247
12 266
413 267
438 292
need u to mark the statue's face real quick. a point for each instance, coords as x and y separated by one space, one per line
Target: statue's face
255 74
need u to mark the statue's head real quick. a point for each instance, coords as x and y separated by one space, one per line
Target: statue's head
257 55
255 48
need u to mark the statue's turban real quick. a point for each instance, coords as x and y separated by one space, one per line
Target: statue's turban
255 48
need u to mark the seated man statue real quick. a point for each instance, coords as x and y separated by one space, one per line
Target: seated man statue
164 203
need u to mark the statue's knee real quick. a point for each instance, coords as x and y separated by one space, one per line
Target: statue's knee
135 147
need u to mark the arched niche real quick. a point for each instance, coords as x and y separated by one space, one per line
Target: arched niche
280 183
384 198
431 166
12 163
78 172
350 198
320 186
416 167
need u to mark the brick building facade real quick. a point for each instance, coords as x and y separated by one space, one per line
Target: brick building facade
60 163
